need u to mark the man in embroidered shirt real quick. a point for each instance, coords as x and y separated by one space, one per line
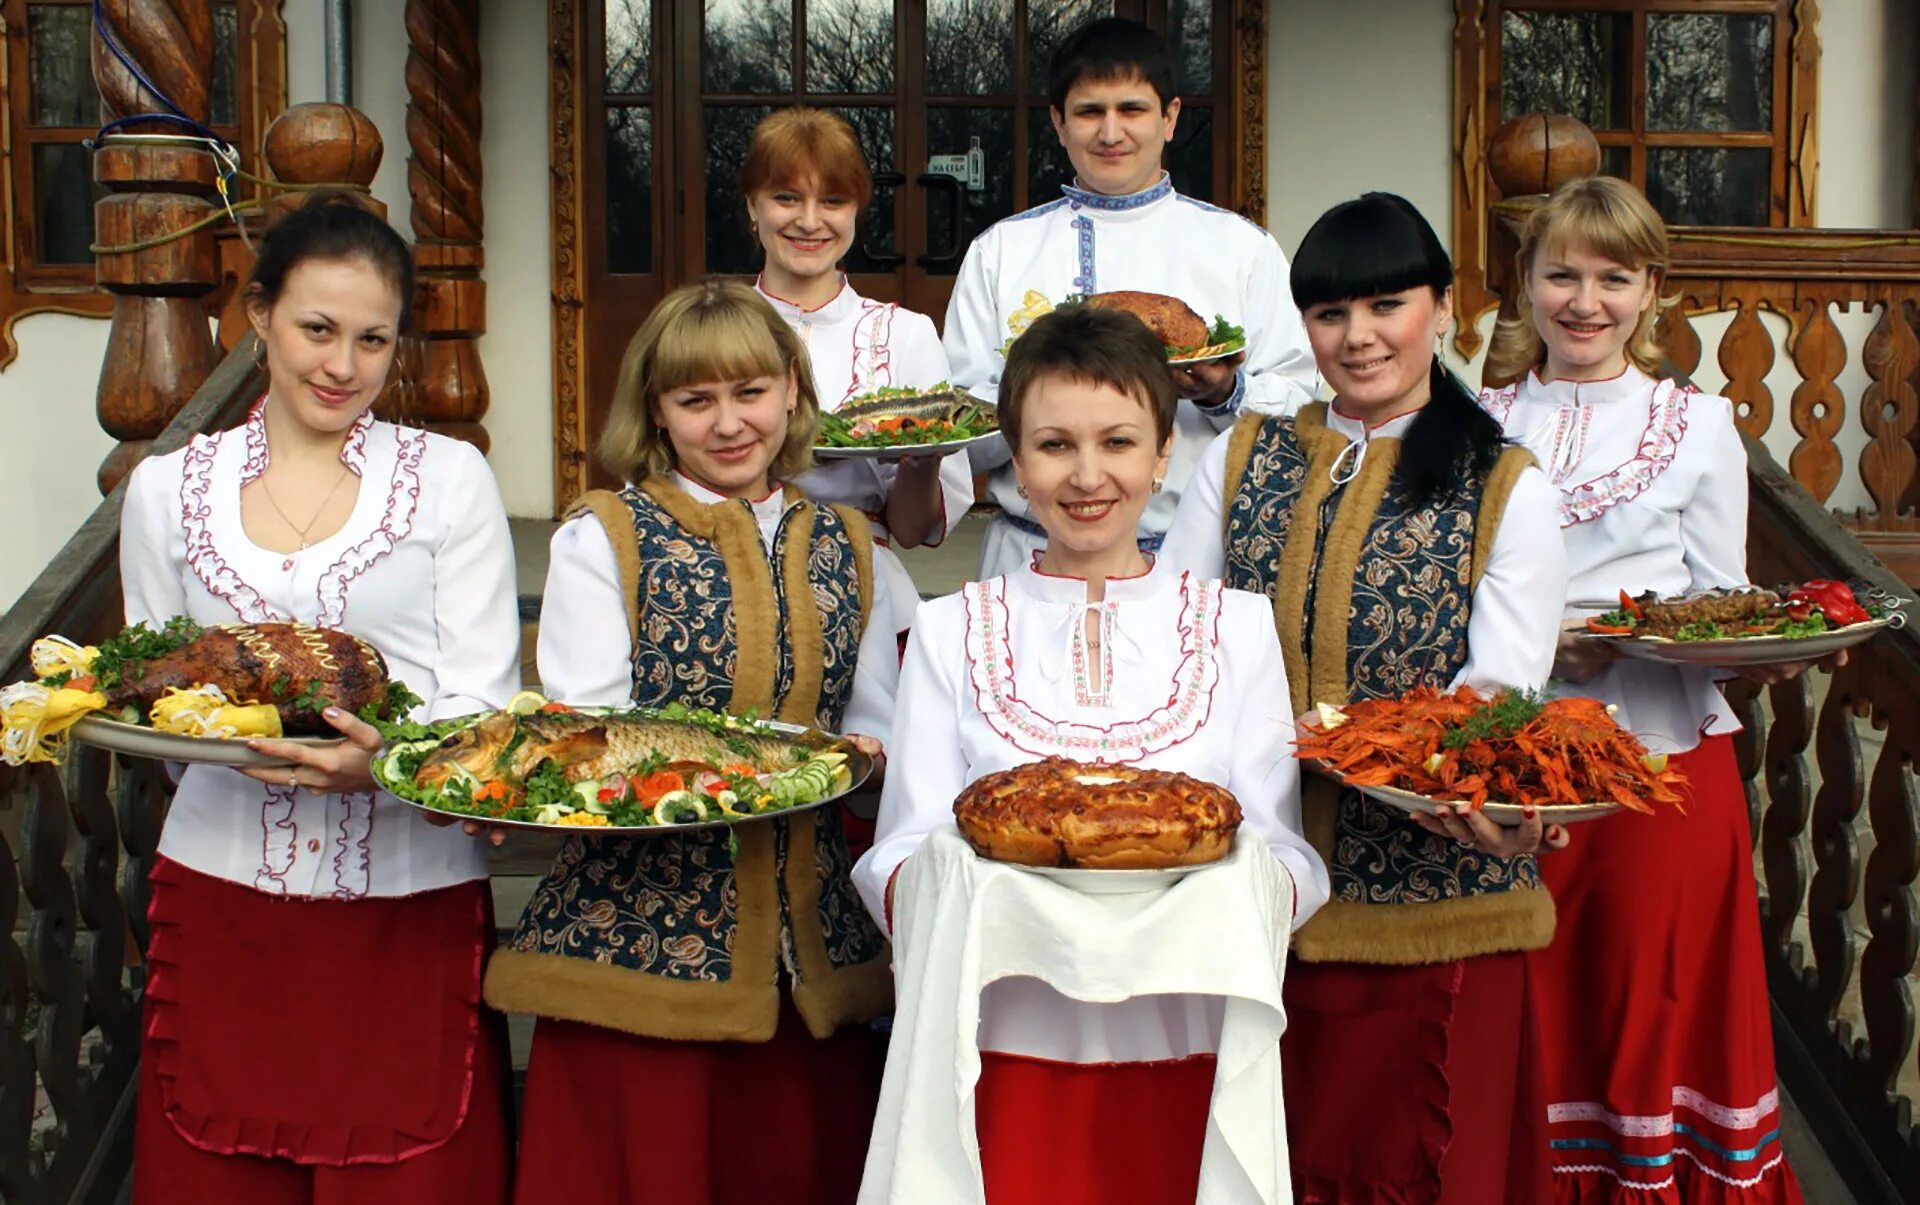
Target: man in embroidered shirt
1121 225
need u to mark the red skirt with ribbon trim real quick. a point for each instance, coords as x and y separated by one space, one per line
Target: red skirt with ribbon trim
1413 1085
617 1119
317 1050
1660 1077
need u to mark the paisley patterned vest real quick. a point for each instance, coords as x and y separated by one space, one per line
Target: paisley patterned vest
1372 595
677 937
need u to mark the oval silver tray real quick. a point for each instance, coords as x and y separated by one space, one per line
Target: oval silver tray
1506 815
136 741
1749 650
902 451
859 766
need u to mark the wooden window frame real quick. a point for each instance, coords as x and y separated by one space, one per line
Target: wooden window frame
1238 99
26 287
1476 115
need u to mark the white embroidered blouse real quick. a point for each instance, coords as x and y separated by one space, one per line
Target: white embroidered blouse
1652 495
422 570
1001 674
585 649
1513 624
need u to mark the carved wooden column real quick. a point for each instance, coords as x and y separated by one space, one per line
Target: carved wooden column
158 349
1528 157
443 178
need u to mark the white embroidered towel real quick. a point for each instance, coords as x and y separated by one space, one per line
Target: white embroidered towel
961 923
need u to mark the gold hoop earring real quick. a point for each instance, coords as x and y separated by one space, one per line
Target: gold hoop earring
1020 488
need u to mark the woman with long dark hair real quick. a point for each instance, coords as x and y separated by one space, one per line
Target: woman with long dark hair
314 1030
1403 544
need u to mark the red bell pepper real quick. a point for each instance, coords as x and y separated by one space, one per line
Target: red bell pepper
1835 600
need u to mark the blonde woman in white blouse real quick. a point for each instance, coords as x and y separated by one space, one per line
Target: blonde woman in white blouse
1659 1051
313 1022
806 182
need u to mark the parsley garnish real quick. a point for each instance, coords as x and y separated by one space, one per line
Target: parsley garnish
548 784
123 657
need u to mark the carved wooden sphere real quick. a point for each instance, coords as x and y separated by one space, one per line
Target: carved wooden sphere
1538 152
323 143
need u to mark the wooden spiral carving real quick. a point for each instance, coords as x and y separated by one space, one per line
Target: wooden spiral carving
162 349
444 178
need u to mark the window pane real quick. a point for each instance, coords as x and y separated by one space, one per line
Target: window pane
1572 63
749 46
1048 24
1617 161
730 244
952 131
1047 164
1190 30
1709 71
224 103
1190 155
874 126
969 47
630 190
629 38
850 46
1711 186
59 67
63 196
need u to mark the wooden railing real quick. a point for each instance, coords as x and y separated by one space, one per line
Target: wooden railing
1806 277
1852 1081
75 847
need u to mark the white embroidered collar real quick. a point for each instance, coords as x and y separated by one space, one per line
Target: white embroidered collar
844 305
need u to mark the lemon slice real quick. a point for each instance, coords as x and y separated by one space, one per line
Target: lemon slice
1330 716
1657 762
526 702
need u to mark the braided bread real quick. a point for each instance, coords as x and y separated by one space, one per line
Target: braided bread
1096 815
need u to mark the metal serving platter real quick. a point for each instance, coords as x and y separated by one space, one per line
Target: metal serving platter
858 765
1506 815
1231 347
903 451
137 741
1749 650
1088 881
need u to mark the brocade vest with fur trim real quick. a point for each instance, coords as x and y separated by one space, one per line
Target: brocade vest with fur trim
1372 596
676 937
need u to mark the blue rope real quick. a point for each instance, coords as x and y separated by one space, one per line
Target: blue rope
174 112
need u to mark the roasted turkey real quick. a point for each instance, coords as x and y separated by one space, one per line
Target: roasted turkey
297 668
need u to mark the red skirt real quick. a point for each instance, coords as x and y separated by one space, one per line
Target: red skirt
614 1118
1413 1085
1091 1134
301 1050
1659 1067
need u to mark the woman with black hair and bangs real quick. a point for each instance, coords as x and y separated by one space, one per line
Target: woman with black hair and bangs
1404 543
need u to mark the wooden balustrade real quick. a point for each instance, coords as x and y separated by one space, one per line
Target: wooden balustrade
77 861
1805 277
1846 1082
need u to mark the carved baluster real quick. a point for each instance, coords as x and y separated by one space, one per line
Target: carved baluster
1746 356
1893 914
1783 849
160 348
51 967
140 799
1890 410
1836 850
1682 342
1817 408
16 1055
1748 747
443 178
103 916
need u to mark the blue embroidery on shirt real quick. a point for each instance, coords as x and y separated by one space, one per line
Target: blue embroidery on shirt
1083 283
1095 200
1035 212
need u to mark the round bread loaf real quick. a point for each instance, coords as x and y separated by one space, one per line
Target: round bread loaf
1096 815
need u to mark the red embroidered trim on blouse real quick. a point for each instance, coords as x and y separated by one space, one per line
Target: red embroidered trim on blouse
403 501
1189 696
1659 443
872 349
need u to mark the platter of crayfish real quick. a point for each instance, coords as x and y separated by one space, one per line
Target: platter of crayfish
1566 759
1747 625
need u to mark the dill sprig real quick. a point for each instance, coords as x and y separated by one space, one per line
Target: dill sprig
1508 713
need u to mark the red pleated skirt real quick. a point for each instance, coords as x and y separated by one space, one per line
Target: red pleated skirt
616 1119
319 1052
1413 1085
1091 1134
1659 1053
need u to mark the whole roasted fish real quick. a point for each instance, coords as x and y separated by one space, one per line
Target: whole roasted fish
507 747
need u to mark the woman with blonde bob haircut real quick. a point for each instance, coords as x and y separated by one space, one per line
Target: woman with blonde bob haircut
728 972
1660 1074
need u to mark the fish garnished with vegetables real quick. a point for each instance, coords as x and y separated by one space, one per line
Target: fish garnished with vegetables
544 763
905 417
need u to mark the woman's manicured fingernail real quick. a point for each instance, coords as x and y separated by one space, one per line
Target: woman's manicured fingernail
1527 812
333 713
